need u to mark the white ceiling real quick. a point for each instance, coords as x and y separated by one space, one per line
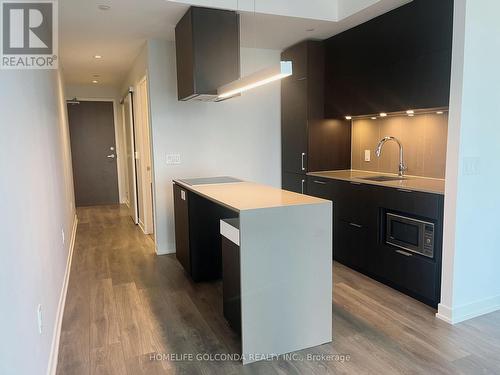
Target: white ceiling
119 33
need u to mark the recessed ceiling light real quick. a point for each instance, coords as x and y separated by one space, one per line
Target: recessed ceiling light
374 118
103 7
439 112
383 114
410 112
95 81
97 57
348 117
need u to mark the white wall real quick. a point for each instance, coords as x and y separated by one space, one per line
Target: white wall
98 92
36 197
238 137
471 277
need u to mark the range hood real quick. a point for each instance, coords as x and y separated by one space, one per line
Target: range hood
207 45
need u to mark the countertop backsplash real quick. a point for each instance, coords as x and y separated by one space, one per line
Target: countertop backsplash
423 137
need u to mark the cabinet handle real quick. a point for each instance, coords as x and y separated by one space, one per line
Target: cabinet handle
404 253
302 185
302 161
354 183
355 225
319 182
405 191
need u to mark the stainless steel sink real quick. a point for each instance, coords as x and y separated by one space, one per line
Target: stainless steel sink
384 178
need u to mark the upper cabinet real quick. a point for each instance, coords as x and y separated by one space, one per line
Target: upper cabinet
309 142
395 62
207 43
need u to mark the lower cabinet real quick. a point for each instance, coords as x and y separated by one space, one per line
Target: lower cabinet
359 234
197 238
294 182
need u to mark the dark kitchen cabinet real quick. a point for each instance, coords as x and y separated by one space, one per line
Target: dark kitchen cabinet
197 238
309 141
231 280
359 234
207 43
398 61
294 125
294 182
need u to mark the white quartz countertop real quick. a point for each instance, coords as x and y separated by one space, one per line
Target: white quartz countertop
414 183
244 195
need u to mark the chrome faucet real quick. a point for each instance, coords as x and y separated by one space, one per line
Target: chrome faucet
378 151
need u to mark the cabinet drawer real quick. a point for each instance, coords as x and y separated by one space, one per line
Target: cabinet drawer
412 202
319 187
354 202
351 244
410 273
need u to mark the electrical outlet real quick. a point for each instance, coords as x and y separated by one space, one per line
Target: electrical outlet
367 155
39 319
62 235
173 158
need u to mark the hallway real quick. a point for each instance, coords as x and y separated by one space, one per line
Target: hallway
124 303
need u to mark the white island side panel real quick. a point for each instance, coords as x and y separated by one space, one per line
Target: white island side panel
286 279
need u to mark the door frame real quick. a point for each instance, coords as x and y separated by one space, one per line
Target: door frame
144 226
118 145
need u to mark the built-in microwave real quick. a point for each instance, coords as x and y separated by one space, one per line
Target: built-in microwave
411 234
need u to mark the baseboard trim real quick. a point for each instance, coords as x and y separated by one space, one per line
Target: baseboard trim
469 311
54 350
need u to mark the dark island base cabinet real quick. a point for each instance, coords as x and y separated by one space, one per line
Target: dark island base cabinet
359 241
231 288
197 238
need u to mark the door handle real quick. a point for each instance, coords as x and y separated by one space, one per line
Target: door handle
355 225
404 253
112 156
302 161
302 185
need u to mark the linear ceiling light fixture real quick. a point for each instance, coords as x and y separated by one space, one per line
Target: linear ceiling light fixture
274 73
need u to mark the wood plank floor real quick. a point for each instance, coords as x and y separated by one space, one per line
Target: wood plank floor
125 304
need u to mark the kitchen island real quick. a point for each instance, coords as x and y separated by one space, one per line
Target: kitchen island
285 258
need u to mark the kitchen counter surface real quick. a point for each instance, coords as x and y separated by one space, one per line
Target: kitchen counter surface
240 196
424 184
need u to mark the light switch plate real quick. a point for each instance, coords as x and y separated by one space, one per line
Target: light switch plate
173 158
471 166
367 155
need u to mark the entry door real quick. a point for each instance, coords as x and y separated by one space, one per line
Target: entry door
128 118
93 150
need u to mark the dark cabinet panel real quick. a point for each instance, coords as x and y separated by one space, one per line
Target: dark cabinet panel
309 141
400 60
198 242
297 54
319 187
231 284
294 182
294 125
416 203
355 202
413 274
351 245
181 217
